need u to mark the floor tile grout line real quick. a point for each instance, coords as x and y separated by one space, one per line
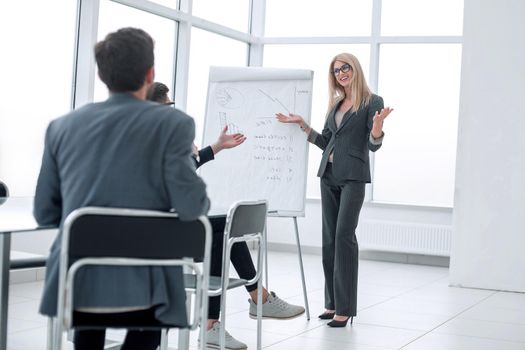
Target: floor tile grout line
292 336
489 321
400 294
450 319
27 329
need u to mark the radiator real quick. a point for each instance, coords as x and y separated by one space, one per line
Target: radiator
402 237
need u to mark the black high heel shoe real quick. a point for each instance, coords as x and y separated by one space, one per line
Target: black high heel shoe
340 324
326 315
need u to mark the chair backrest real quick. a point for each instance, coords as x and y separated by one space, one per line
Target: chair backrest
131 237
246 217
245 222
4 191
147 234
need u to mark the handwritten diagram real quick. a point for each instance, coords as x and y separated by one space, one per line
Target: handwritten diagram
232 127
275 100
229 97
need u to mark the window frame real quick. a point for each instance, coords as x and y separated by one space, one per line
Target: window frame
87 33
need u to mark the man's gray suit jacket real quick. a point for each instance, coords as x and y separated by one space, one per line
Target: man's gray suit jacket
129 153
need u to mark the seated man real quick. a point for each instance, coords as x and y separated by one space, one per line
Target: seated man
123 152
273 306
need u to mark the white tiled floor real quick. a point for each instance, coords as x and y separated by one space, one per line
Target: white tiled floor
400 306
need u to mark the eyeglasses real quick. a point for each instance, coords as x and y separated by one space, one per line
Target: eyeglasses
345 68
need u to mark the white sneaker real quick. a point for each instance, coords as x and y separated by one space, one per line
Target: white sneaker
214 342
275 307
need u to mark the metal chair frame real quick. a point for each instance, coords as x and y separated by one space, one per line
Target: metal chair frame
258 236
67 275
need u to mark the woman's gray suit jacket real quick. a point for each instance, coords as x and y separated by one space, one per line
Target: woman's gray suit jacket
349 143
128 153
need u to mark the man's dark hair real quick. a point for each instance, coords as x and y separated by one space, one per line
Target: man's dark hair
157 92
123 58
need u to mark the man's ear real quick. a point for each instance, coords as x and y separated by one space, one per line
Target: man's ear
150 76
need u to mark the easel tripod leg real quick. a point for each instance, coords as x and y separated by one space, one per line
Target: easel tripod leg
301 266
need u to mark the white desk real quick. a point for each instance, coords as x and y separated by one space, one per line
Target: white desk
16 215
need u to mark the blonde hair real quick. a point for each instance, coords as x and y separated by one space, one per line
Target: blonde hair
360 91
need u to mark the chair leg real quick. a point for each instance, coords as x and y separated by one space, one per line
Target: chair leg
266 259
58 330
259 314
50 333
184 334
222 333
164 339
70 335
203 321
224 292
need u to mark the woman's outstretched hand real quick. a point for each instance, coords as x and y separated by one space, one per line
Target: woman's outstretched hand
379 118
292 118
226 141
295 119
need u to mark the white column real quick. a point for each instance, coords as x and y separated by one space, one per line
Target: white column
489 210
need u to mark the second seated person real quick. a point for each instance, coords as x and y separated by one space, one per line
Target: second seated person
273 306
354 126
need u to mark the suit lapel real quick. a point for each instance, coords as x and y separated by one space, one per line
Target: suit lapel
349 120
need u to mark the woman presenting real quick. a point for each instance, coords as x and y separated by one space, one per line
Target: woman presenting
354 126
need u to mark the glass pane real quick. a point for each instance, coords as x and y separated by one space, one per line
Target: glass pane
37 78
315 18
309 57
208 49
229 13
422 17
113 16
174 4
417 161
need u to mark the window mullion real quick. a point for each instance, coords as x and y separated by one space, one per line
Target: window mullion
373 79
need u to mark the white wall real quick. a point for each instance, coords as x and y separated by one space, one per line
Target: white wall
489 209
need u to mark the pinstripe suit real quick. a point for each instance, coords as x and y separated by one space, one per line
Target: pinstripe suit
342 193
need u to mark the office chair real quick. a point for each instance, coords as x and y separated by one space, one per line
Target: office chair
130 237
245 222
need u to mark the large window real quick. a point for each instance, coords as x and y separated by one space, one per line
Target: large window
208 49
421 81
168 3
417 161
410 54
37 61
414 57
336 18
316 58
234 14
421 17
113 16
